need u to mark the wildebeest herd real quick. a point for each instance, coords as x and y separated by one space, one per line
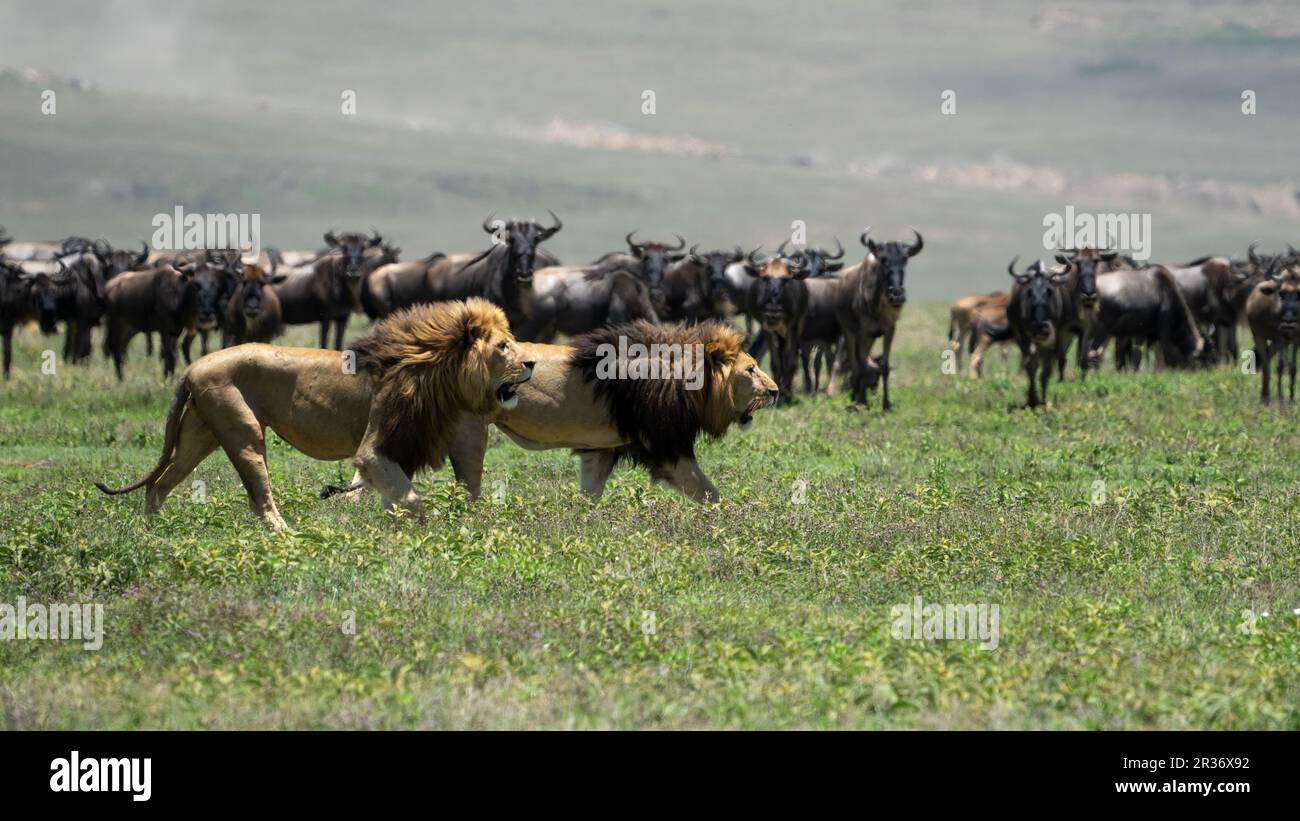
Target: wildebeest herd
801 305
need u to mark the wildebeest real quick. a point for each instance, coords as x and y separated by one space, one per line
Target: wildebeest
649 261
1082 304
1035 312
163 299
1273 311
1145 306
503 274
819 263
870 300
778 299
976 322
79 296
695 287
252 313
574 300
214 273
23 297
331 291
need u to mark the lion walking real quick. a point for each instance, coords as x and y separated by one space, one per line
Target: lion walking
391 403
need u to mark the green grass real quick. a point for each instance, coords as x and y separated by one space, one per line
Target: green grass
767 612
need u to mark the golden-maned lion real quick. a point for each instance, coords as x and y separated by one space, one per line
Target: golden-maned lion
579 398
391 402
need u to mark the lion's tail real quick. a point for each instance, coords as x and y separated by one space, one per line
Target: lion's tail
172 433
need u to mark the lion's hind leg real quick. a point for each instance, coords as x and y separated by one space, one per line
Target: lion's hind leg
194 444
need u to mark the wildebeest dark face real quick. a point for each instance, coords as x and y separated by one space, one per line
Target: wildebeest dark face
121 260
892 258
820 262
211 284
774 292
1085 264
45 297
352 247
521 238
714 265
1039 300
655 257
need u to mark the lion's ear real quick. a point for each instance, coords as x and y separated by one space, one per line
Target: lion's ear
719 353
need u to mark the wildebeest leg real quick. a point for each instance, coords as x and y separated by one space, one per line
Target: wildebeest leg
203 343
1281 367
1062 352
977 354
148 345
1029 357
759 346
69 331
83 342
340 326
193 444
1046 378
1291 350
840 353
687 477
8 334
1262 356
324 333
468 447
186 342
167 344
1082 354
594 467
884 367
115 339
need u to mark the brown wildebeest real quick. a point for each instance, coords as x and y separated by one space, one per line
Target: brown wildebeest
579 299
162 299
252 313
871 298
503 274
695 287
977 322
1273 311
80 299
1035 311
332 290
778 298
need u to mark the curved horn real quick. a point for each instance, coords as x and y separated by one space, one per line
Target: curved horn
487 223
862 238
694 248
330 239
752 258
916 247
739 253
681 243
780 249
375 237
143 257
550 232
1250 254
1011 266
636 247
840 250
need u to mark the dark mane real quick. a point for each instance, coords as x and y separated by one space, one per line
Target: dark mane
661 417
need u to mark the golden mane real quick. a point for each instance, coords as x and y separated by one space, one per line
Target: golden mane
424 374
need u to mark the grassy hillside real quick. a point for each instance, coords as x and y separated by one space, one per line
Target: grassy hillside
771 610
828 115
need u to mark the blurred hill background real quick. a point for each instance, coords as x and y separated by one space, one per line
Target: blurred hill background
766 112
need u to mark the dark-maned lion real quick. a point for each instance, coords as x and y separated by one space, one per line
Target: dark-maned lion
391 402
574 401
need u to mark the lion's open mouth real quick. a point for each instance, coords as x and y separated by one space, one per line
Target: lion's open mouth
508 392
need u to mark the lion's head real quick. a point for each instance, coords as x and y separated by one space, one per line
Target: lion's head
430 363
663 412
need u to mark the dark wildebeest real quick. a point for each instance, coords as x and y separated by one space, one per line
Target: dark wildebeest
24 297
215 272
815 347
1035 312
1145 306
574 300
1082 304
778 299
332 290
695 288
163 299
649 261
871 298
80 298
503 274
1273 311
252 313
